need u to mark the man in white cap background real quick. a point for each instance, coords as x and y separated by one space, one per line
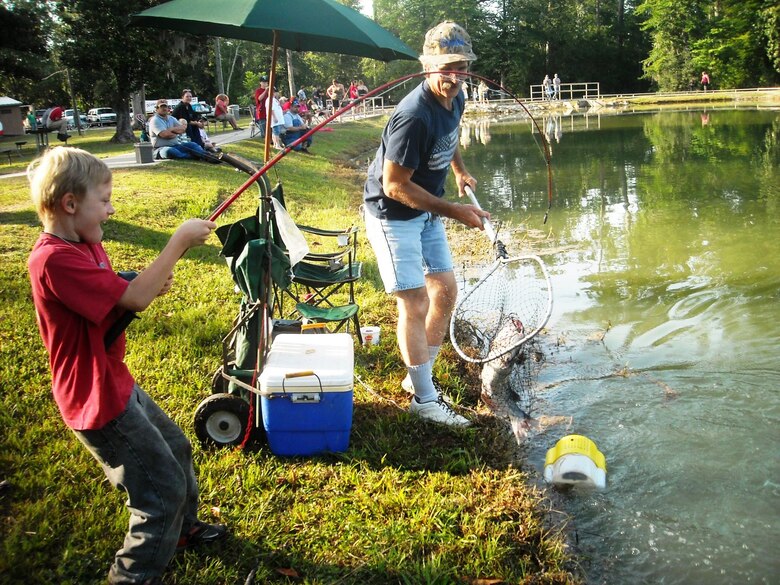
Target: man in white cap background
404 204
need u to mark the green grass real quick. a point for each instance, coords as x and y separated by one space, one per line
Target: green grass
95 140
409 502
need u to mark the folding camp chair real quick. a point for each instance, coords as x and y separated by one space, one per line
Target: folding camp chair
322 289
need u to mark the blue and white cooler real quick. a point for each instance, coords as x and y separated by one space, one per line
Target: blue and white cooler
306 393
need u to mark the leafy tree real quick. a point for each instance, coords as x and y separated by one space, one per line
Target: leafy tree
736 41
23 57
674 26
109 59
734 50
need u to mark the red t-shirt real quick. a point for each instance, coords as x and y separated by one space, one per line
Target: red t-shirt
55 114
261 97
75 292
220 108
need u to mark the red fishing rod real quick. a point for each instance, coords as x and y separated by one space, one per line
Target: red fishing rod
546 152
122 323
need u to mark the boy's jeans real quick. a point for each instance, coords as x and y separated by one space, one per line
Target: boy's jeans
146 454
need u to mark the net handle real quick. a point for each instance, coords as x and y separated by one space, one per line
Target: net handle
489 229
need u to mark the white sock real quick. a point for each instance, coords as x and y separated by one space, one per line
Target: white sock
422 380
433 351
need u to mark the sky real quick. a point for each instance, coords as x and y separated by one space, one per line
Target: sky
365 7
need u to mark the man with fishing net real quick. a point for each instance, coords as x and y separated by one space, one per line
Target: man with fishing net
404 204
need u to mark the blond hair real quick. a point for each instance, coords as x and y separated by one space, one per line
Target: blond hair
63 170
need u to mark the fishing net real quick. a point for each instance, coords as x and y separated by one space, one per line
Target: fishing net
508 306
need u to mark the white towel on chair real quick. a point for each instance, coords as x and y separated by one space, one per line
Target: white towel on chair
291 236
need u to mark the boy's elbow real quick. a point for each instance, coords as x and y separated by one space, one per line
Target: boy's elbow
133 300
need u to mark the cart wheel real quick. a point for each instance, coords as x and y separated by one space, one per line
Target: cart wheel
219 385
221 420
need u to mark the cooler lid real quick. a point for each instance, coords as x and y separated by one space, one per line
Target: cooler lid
308 362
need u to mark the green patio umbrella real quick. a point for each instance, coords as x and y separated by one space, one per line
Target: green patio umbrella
299 25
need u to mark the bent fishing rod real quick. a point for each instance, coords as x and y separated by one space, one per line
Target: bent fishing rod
124 321
545 147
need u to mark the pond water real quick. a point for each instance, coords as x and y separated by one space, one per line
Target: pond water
664 250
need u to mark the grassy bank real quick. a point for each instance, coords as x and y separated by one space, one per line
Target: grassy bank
409 502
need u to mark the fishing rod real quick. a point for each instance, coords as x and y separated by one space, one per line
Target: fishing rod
124 321
545 146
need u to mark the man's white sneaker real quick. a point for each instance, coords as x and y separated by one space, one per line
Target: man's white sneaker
438 411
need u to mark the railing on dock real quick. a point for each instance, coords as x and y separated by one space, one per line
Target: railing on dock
569 91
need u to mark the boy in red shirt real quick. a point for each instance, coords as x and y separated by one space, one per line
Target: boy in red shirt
77 298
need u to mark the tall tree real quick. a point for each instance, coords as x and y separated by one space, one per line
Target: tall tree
23 57
110 58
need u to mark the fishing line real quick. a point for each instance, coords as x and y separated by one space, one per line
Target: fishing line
545 145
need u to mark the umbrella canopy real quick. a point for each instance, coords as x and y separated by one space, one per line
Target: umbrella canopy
300 25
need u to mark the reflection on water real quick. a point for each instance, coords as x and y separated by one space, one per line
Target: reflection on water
663 342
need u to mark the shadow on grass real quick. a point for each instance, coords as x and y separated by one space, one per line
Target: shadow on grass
21 217
385 436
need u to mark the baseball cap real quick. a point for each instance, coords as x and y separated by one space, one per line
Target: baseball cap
445 43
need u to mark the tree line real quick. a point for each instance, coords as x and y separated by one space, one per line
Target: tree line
626 45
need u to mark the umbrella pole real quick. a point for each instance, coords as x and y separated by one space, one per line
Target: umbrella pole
269 106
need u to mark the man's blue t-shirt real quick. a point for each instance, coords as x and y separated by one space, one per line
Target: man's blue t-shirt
421 135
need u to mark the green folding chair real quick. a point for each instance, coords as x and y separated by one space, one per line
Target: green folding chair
322 288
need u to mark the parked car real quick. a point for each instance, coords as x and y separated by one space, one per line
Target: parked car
39 116
101 116
68 114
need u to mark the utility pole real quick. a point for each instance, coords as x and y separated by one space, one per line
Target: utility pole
218 59
290 74
76 117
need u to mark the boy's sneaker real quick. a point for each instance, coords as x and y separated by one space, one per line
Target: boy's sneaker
201 533
438 411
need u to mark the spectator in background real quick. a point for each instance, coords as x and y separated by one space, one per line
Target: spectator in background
305 112
336 93
277 121
316 96
221 103
352 91
547 88
53 119
295 127
301 96
30 122
194 123
556 87
208 145
261 96
483 91
165 133
705 80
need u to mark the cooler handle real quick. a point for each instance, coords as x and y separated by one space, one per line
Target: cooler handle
302 374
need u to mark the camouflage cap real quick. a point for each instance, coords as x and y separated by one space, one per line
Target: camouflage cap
447 43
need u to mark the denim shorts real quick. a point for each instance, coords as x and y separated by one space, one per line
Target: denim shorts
408 249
